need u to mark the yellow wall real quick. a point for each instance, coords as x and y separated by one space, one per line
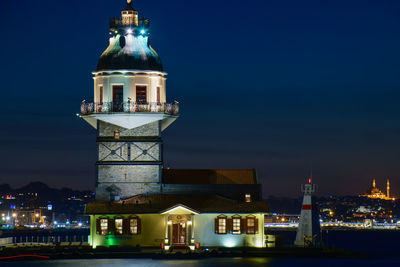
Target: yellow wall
153 232
204 233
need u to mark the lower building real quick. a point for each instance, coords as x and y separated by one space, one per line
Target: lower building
179 221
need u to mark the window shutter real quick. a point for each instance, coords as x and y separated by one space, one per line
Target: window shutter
126 229
98 226
243 226
229 226
111 226
256 225
216 225
139 226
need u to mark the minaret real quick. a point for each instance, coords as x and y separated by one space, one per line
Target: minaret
388 189
373 183
129 111
308 231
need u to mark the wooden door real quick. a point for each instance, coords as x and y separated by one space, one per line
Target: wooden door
179 234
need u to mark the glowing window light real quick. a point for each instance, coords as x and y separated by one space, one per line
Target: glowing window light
236 225
129 31
133 226
119 229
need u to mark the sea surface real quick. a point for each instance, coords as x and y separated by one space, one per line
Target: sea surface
233 262
382 244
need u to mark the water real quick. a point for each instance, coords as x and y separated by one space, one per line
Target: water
384 244
370 242
232 262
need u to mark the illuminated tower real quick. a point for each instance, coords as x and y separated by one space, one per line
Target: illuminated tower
373 183
308 232
129 111
388 189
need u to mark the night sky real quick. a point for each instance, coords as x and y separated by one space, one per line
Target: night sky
272 85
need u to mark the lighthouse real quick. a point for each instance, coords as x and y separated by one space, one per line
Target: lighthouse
308 232
129 111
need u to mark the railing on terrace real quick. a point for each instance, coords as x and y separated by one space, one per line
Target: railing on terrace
129 107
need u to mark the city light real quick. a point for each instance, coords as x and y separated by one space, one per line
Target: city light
129 31
142 32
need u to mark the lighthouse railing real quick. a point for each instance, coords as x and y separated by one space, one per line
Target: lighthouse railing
129 107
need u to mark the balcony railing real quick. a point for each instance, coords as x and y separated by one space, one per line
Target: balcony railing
129 107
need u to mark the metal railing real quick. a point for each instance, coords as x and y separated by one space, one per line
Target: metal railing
129 107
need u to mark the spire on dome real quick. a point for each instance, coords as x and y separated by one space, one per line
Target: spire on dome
130 15
129 5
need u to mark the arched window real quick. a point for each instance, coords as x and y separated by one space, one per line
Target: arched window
236 224
119 226
102 226
133 225
221 225
251 225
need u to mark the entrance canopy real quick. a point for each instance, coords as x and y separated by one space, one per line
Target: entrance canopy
180 209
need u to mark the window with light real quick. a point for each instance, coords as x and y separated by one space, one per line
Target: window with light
221 225
236 226
133 226
251 225
104 226
119 228
248 198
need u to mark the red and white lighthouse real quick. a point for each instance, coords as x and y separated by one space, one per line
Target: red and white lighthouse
308 232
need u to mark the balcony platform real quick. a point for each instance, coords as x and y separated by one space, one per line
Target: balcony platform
130 115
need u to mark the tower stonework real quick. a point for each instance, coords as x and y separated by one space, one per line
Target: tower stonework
129 164
129 111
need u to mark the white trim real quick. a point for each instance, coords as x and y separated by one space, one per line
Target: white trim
179 206
135 72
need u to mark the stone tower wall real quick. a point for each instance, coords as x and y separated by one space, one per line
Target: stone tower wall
130 164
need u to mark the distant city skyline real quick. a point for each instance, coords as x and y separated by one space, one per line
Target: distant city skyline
267 85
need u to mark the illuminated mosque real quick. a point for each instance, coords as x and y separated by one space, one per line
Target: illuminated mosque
375 193
139 203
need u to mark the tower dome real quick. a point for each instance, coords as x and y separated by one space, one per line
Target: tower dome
129 47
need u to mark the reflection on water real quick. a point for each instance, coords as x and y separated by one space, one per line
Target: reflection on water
232 262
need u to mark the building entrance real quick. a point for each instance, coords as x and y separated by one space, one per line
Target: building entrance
179 230
179 234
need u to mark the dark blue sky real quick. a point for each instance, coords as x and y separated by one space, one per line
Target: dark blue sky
272 85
